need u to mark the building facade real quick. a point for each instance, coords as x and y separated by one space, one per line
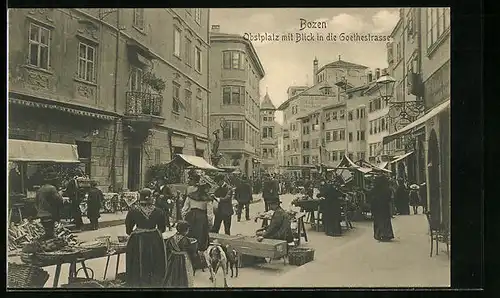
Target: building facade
137 79
302 102
269 136
235 74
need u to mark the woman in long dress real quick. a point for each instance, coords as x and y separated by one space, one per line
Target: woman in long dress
402 198
380 198
145 259
196 213
180 252
331 209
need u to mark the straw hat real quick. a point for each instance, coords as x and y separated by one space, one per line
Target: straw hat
414 186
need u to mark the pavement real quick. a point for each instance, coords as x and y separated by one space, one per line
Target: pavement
353 260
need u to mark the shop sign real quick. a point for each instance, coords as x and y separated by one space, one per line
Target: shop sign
437 87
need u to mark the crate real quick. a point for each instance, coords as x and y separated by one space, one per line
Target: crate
267 248
300 256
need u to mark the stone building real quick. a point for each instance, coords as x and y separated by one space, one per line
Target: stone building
129 87
269 135
428 136
302 101
235 74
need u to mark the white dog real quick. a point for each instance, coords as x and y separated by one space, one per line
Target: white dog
216 258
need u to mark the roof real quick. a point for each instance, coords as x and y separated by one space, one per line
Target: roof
34 151
285 104
226 37
267 104
342 64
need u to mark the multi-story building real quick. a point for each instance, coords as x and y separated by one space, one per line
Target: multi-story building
428 29
235 74
279 148
269 135
334 140
301 101
127 86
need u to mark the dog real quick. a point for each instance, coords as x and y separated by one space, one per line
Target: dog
232 259
216 258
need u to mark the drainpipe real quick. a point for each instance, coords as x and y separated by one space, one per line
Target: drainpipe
208 85
115 104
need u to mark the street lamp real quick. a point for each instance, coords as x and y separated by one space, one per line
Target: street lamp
385 86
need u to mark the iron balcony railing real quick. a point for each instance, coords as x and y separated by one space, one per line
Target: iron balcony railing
143 103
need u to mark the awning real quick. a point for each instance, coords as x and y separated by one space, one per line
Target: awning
347 162
382 165
400 157
420 121
196 162
78 112
374 167
33 151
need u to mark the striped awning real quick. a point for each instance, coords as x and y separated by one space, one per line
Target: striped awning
30 103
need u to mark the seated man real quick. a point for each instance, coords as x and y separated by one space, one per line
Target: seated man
279 228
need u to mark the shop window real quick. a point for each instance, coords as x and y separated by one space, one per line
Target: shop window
178 150
200 152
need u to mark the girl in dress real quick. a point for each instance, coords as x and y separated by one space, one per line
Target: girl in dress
180 252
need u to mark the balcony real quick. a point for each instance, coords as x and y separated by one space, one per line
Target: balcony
143 108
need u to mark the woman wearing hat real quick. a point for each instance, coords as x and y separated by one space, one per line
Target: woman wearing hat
146 260
414 198
195 211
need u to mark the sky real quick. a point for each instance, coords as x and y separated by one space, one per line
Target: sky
291 63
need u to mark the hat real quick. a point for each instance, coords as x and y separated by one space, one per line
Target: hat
414 186
145 194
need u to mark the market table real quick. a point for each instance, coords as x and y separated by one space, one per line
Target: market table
300 220
309 207
117 251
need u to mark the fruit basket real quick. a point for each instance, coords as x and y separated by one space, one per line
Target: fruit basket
26 276
300 256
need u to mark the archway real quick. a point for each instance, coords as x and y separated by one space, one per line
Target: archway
434 183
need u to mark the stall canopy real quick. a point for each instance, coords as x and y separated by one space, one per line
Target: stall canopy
417 123
374 167
33 151
401 157
195 161
382 165
349 164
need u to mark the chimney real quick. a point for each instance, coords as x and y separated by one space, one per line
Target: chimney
370 76
315 71
216 28
377 73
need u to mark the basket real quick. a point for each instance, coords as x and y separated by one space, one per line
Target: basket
56 257
300 256
26 276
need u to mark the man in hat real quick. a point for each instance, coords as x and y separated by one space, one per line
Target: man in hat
224 197
48 204
279 228
243 194
270 191
164 199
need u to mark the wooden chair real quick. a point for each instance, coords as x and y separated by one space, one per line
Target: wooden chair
437 233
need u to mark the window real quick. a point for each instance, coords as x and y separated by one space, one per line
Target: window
328 136
187 51
398 52
341 114
197 59
39 47
176 98
86 62
350 116
362 113
335 135
197 15
233 60
305 159
371 127
362 135
357 114
178 150
233 131
232 95
84 150
342 135
157 156
136 80
438 23
287 147
334 115
383 124
188 103
177 42
267 132
327 118
305 145
350 137
139 18
357 135
200 152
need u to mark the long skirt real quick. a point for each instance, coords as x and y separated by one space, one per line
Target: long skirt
382 228
146 262
198 223
179 271
332 225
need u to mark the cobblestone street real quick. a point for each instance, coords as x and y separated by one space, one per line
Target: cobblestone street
353 260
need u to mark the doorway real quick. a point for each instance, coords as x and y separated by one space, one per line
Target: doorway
434 183
421 162
134 168
246 169
444 137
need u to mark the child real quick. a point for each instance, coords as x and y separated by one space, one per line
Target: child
414 198
180 252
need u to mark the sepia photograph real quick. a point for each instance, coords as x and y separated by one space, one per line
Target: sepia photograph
228 148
